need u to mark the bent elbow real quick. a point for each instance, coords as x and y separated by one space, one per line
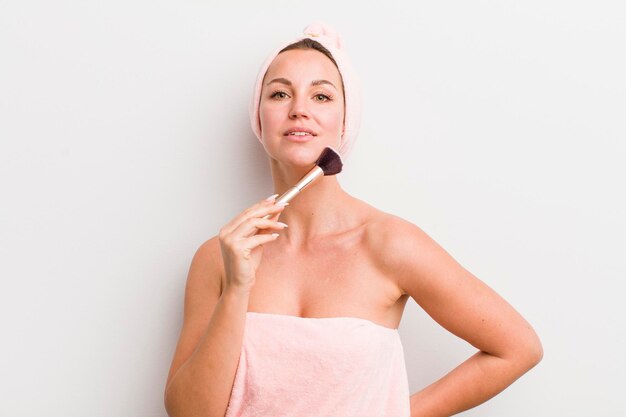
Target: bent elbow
524 352
537 353
532 353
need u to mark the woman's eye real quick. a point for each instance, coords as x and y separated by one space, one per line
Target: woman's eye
277 93
325 97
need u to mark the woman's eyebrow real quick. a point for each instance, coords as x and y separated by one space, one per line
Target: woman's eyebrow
287 82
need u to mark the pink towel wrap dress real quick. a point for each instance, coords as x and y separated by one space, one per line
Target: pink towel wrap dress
293 366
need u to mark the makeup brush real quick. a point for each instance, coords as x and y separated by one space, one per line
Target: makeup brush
328 163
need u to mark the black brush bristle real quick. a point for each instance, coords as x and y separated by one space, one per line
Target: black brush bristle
329 161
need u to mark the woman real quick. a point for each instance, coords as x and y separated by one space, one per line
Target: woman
303 322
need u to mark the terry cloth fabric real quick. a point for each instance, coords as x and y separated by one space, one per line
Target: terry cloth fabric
319 367
332 41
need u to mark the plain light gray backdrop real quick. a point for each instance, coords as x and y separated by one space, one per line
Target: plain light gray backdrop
497 127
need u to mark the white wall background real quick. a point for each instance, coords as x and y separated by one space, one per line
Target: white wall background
497 127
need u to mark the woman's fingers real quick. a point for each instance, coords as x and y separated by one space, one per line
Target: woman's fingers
260 239
260 209
255 225
241 243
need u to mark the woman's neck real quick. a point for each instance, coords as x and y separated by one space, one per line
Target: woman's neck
320 209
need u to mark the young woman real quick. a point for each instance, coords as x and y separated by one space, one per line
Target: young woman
300 317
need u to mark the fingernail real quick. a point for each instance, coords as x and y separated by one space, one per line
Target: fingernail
272 197
282 203
282 224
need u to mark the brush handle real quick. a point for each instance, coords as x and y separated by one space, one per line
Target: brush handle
311 176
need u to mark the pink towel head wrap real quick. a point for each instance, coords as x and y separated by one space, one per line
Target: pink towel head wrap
331 40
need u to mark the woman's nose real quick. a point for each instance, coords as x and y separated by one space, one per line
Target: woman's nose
299 108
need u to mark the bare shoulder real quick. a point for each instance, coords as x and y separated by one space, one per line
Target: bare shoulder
398 246
211 248
209 262
204 279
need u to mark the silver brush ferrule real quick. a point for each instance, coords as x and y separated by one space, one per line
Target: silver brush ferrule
314 173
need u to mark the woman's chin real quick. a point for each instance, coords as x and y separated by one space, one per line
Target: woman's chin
300 156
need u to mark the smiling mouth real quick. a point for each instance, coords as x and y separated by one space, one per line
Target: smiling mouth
299 138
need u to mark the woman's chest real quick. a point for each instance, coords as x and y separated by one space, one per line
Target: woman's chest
342 280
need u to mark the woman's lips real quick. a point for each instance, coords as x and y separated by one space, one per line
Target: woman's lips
299 138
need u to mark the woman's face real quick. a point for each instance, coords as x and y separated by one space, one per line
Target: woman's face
301 90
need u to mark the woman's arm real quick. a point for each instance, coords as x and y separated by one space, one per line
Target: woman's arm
205 362
457 300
